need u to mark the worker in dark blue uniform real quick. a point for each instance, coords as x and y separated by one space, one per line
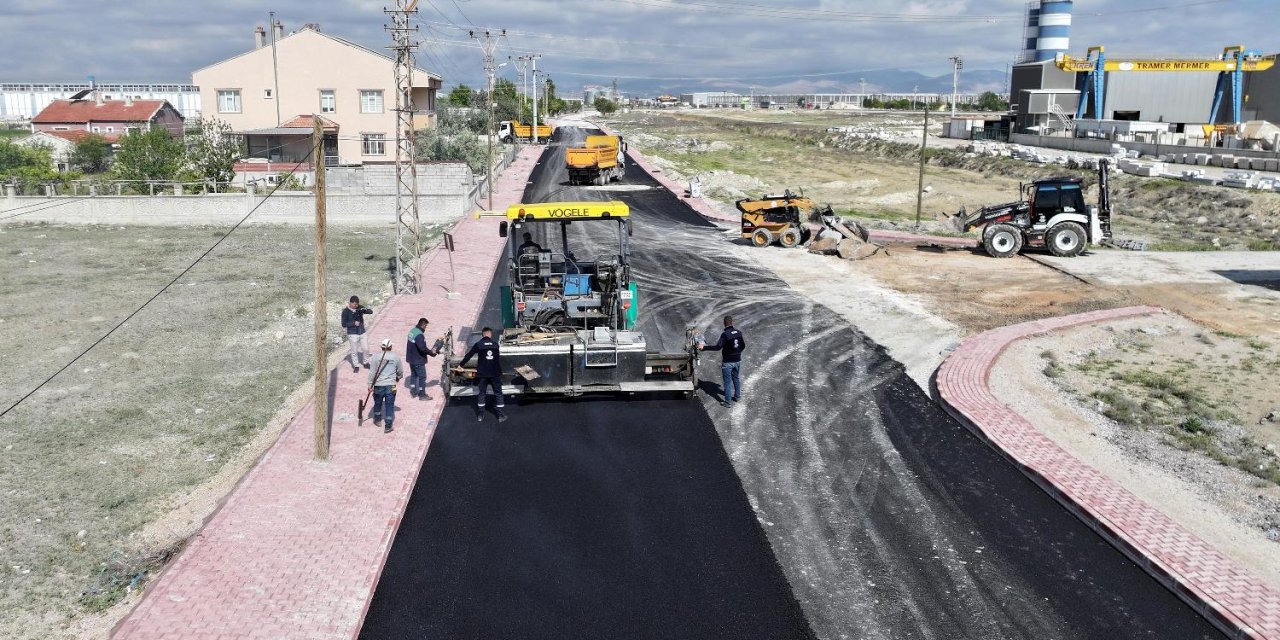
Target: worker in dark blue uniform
731 345
488 373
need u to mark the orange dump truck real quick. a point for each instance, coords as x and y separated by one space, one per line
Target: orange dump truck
601 159
514 130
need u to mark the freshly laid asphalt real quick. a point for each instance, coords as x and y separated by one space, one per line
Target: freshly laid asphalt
836 501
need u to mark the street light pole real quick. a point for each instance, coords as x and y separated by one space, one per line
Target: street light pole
956 65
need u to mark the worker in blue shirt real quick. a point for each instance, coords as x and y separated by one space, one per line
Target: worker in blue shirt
488 373
731 345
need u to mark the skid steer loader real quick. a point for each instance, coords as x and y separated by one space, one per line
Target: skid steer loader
1052 215
776 218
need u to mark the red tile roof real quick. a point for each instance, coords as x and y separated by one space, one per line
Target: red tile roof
80 111
306 122
80 134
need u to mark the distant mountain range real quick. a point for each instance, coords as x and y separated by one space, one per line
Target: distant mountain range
877 81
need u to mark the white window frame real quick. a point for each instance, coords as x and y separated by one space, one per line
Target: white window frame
237 107
129 130
368 142
333 101
111 129
266 94
366 104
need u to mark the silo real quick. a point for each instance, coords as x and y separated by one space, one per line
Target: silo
1055 29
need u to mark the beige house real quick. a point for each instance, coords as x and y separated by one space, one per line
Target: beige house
349 85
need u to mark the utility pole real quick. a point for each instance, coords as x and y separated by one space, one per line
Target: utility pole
956 65
275 65
533 84
519 62
320 311
408 225
488 43
924 145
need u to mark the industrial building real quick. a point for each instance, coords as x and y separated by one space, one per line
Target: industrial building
21 101
1048 86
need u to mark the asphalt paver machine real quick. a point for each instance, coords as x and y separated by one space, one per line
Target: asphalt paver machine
568 318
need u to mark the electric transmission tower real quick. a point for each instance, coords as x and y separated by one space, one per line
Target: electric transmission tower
408 224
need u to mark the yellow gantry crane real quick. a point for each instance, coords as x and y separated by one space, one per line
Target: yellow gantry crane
1231 67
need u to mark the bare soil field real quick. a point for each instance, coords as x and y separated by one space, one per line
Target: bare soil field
1175 413
94 466
745 152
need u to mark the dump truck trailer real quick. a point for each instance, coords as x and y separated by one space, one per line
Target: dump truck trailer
569 319
600 160
516 131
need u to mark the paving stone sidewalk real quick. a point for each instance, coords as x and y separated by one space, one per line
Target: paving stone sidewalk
1222 590
296 549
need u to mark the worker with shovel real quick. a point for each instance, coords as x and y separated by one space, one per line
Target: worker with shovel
417 352
385 370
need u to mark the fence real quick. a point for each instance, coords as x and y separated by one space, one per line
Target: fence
442 198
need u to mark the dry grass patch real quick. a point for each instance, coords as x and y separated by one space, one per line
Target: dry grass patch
156 409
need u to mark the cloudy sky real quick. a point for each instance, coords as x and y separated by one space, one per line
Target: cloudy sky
647 43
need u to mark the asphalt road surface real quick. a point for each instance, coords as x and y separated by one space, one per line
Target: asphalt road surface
662 518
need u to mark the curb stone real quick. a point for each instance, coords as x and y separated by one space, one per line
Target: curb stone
1220 589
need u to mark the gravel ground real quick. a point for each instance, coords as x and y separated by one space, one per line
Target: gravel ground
1238 512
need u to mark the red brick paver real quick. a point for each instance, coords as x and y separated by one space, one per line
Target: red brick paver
296 549
1236 601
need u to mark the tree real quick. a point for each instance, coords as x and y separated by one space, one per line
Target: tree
91 154
212 151
460 96
149 155
555 106
989 101
604 105
451 140
28 165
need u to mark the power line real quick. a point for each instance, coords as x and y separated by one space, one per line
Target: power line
154 297
51 204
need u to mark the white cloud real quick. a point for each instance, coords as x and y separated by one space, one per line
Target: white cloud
153 41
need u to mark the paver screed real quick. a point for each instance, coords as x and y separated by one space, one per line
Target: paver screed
296 549
1223 591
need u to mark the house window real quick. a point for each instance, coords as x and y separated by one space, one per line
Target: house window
97 129
370 101
111 129
328 101
228 101
130 130
266 93
374 144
